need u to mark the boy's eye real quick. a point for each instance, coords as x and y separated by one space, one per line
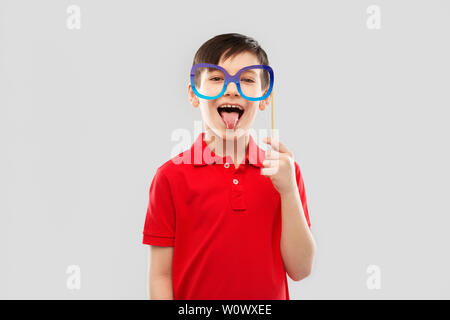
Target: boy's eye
216 78
247 80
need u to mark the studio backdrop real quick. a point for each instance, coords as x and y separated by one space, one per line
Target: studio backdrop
92 92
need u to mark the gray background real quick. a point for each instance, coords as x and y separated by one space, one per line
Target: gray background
87 117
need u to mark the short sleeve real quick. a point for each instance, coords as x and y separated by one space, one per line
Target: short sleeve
301 189
159 227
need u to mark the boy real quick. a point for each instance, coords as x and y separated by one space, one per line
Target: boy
226 219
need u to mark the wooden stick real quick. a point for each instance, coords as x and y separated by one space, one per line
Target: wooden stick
272 115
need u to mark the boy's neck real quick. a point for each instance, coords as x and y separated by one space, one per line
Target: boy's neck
236 149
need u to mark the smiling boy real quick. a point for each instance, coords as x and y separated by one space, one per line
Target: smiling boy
226 219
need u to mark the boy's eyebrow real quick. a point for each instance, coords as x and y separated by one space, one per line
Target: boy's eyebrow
253 71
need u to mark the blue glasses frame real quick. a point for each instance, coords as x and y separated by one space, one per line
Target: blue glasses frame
229 78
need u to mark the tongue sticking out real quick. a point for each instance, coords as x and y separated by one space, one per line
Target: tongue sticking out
230 119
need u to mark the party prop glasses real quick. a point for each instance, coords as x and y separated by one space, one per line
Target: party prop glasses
209 81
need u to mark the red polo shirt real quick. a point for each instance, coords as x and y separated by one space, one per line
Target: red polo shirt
224 224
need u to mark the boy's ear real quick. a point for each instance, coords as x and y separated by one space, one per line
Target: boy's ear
264 103
192 97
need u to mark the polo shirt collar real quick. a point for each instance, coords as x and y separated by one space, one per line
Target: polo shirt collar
200 157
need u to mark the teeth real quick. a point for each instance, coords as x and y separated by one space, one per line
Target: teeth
232 106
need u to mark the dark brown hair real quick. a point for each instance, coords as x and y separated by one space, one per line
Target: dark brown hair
230 45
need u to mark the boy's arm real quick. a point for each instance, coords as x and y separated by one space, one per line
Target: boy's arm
297 244
160 273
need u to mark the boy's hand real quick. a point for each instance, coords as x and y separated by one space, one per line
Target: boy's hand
279 167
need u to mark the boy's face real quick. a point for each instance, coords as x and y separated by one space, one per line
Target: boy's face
209 108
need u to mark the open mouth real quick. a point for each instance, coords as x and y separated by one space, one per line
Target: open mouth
230 114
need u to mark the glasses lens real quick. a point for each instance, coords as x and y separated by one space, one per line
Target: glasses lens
254 82
209 81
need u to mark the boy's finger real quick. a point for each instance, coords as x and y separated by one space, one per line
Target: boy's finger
276 144
268 171
272 154
270 163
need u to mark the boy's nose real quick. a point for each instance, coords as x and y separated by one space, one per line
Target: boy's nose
231 89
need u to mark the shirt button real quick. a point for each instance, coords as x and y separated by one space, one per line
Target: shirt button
235 181
226 165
